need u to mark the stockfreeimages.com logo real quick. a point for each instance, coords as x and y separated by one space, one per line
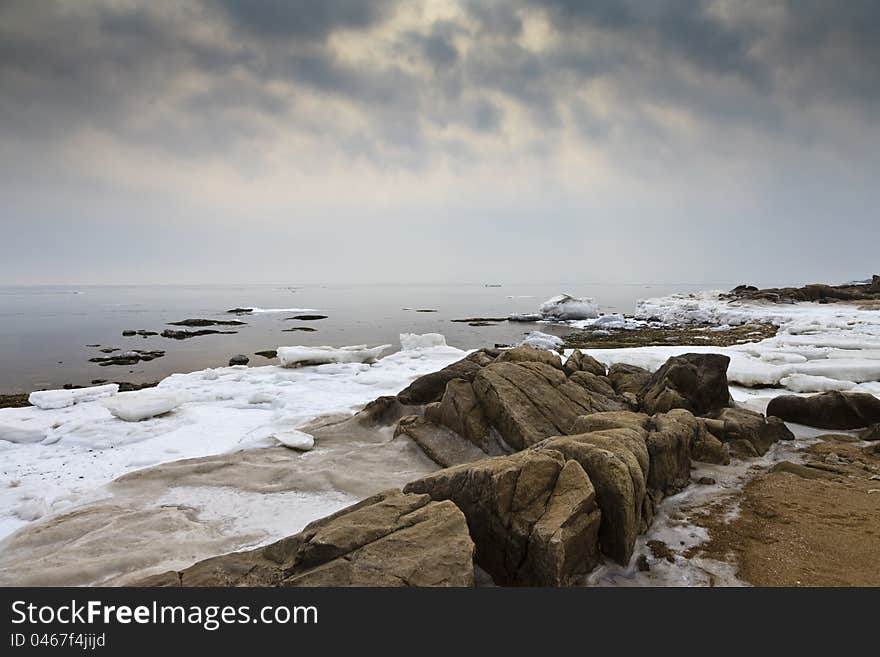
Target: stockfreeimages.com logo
210 617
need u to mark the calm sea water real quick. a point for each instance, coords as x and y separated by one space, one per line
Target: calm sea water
44 330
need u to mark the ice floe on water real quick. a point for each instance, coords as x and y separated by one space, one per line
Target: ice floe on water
49 399
302 356
566 306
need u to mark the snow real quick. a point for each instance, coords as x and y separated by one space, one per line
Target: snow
818 346
566 306
141 404
299 440
49 399
811 383
410 341
610 321
299 356
540 340
63 457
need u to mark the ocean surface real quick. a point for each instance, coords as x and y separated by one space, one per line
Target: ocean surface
44 331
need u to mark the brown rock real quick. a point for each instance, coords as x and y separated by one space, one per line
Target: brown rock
872 432
581 362
828 410
802 470
616 461
526 354
441 444
430 387
628 378
732 424
532 516
695 382
390 539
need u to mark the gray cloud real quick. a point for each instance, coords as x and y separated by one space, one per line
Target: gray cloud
778 100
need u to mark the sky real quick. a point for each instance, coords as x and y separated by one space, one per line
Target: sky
446 141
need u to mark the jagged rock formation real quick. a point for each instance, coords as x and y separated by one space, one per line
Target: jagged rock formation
532 515
548 467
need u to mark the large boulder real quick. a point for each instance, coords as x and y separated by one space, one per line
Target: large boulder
617 463
430 387
695 382
529 401
748 433
829 410
532 515
390 539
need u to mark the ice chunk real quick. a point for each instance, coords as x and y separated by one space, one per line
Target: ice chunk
811 383
140 405
525 317
411 341
21 434
540 340
565 307
300 356
49 399
294 439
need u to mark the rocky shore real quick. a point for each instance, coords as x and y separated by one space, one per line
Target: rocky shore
549 469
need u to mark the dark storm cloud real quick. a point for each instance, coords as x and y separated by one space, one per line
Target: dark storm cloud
64 65
303 19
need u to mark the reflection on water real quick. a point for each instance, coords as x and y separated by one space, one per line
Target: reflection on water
44 331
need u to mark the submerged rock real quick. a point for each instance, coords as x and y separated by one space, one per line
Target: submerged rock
389 539
183 334
239 359
207 322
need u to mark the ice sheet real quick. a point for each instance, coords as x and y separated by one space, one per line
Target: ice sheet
300 356
49 399
84 447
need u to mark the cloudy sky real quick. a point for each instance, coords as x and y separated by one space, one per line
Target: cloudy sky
442 141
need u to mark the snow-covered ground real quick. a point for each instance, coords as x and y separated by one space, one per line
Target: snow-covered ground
54 459
59 462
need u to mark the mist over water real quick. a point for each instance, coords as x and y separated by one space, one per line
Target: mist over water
44 331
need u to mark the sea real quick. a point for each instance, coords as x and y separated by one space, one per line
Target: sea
48 333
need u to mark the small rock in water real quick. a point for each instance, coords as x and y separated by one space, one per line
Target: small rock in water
128 333
642 564
307 318
240 311
268 353
307 329
239 359
297 440
706 481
